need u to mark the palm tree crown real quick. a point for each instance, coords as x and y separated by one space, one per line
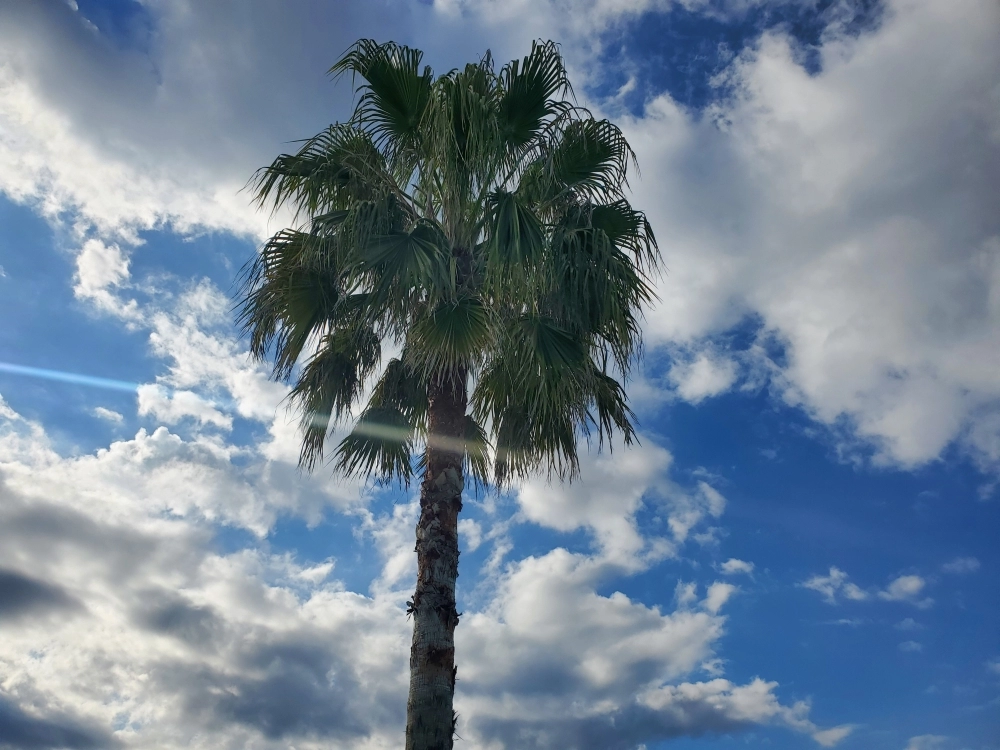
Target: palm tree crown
476 221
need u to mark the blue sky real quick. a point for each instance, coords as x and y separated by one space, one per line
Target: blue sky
801 552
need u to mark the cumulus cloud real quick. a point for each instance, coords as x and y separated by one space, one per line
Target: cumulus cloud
588 671
718 594
108 415
152 638
131 621
906 588
732 566
880 290
611 489
100 269
703 376
172 406
835 584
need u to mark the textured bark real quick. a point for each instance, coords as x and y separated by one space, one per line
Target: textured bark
429 713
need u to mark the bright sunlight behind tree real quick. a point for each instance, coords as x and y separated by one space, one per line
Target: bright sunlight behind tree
476 222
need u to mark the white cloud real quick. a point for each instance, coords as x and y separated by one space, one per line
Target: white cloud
911 647
109 415
994 666
718 594
589 671
610 490
833 584
751 702
832 736
140 633
926 742
908 623
732 566
470 533
173 406
150 637
961 565
704 376
872 255
100 269
906 588
854 592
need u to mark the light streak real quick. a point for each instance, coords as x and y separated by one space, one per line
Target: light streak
68 377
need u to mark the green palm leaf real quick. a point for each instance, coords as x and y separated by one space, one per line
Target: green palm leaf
330 383
380 445
449 338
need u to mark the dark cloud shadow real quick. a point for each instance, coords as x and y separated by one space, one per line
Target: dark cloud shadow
22 731
21 596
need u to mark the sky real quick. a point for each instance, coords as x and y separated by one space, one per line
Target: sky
800 553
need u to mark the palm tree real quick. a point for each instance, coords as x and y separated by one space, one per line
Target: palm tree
476 223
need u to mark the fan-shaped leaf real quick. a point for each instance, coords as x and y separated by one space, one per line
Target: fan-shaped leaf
450 337
380 445
330 384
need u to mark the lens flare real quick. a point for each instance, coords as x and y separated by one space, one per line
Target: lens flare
68 377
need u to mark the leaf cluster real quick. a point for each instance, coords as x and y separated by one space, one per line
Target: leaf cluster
476 221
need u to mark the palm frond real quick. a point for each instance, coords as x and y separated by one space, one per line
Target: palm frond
477 451
289 291
394 98
405 267
595 285
379 446
402 388
610 410
330 384
534 390
590 160
330 171
515 239
628 230
529 88
449 338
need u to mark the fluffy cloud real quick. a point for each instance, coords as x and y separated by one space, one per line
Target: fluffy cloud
125 626
109 415
588 671
834 584
906 588
871 254
172 407
613 486
703 376
732 566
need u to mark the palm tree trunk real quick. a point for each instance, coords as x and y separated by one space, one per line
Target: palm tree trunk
429 714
